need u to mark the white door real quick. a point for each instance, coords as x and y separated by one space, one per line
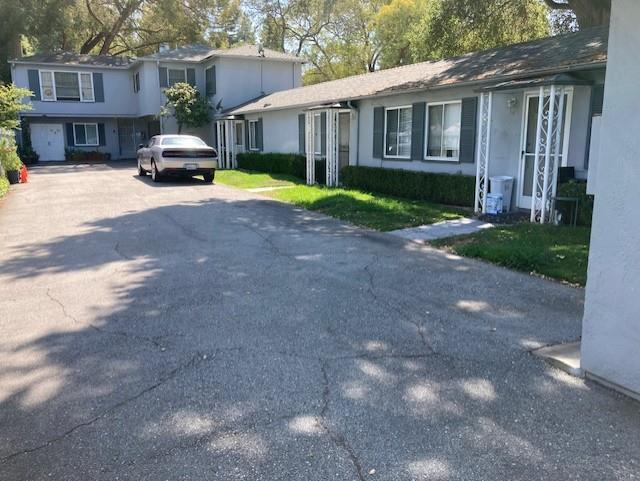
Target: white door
48 141
528 158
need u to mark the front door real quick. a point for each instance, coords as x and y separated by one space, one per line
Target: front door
48 141
127 138
528 159
344 132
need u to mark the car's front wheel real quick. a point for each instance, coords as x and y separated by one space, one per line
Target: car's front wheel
208 178
155 175
141 171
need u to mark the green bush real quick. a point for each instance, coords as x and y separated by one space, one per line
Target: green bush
4 186
585 205
451 189
8 156
276 163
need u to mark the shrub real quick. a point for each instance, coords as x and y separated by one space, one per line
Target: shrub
585 206
79 155
4 186
276 163
452 189
8 156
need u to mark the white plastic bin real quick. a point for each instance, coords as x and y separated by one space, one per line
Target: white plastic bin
502 184
494 204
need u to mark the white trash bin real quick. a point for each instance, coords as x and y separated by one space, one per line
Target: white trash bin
494 204
502 184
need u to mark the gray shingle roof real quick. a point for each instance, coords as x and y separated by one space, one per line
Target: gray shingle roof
70 58
547 55
198 53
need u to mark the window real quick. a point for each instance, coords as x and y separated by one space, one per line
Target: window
136 82
183 141
176 75
253 135
47 88
239 133
86 87
443 131
86 134
317 134
397 139
76 86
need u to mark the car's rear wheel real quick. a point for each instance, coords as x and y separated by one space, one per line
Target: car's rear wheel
155 175
208 178
141 171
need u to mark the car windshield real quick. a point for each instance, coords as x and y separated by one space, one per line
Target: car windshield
183 141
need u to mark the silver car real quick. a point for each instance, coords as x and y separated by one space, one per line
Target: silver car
177 155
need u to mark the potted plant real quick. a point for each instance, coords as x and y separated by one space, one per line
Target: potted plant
12 165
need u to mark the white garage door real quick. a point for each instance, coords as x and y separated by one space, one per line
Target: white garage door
48 141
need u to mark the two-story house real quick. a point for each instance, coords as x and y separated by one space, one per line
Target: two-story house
112 104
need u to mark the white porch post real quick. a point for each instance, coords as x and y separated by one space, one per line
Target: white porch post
227 141
232 140
482 154
332 148
310 148
547 155
539 146
220 144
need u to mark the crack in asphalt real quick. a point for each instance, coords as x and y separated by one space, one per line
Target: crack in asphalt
193 361
155 341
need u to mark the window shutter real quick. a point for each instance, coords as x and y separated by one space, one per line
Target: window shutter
70 138
259 135
323 134
34 84
378 132
213 80
162 74
468 129
597 99
191 76
102 138
98 87
246 135
210 81
417 131
301 134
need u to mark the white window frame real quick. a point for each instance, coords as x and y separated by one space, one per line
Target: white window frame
84 124
55 91
184 69
318 132
384 133
53 83
93 90
441 158
253 140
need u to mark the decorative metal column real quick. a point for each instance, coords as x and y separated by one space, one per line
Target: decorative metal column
310 148
332 154
482 155
220 143
548 145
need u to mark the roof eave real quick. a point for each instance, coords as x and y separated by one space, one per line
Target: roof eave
74 64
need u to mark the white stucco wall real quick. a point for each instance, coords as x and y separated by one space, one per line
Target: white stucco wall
611 325
279 130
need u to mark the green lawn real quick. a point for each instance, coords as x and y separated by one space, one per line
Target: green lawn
370 210
560 252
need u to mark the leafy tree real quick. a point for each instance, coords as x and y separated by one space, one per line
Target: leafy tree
186 104
11 105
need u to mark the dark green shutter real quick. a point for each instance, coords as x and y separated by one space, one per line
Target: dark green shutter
191 76
246 135
597 99
70 138
210 88
259 143
323 134
301 134
417 131
162 74
98 87
378 132
468 129
102 138
34 83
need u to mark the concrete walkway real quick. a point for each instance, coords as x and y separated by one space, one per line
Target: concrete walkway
190 331
442 230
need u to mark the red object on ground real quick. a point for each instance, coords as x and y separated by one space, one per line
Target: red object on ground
24 174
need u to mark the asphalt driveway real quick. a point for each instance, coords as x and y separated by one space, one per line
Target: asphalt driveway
195 332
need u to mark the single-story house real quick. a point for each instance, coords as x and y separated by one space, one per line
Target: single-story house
520 111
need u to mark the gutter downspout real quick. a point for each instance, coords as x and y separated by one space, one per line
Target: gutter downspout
353 107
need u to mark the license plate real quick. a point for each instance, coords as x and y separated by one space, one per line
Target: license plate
191 166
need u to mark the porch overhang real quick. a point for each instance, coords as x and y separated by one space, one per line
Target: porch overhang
563 79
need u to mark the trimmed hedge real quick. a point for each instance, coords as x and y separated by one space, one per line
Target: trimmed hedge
276 163
451 189
585 206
